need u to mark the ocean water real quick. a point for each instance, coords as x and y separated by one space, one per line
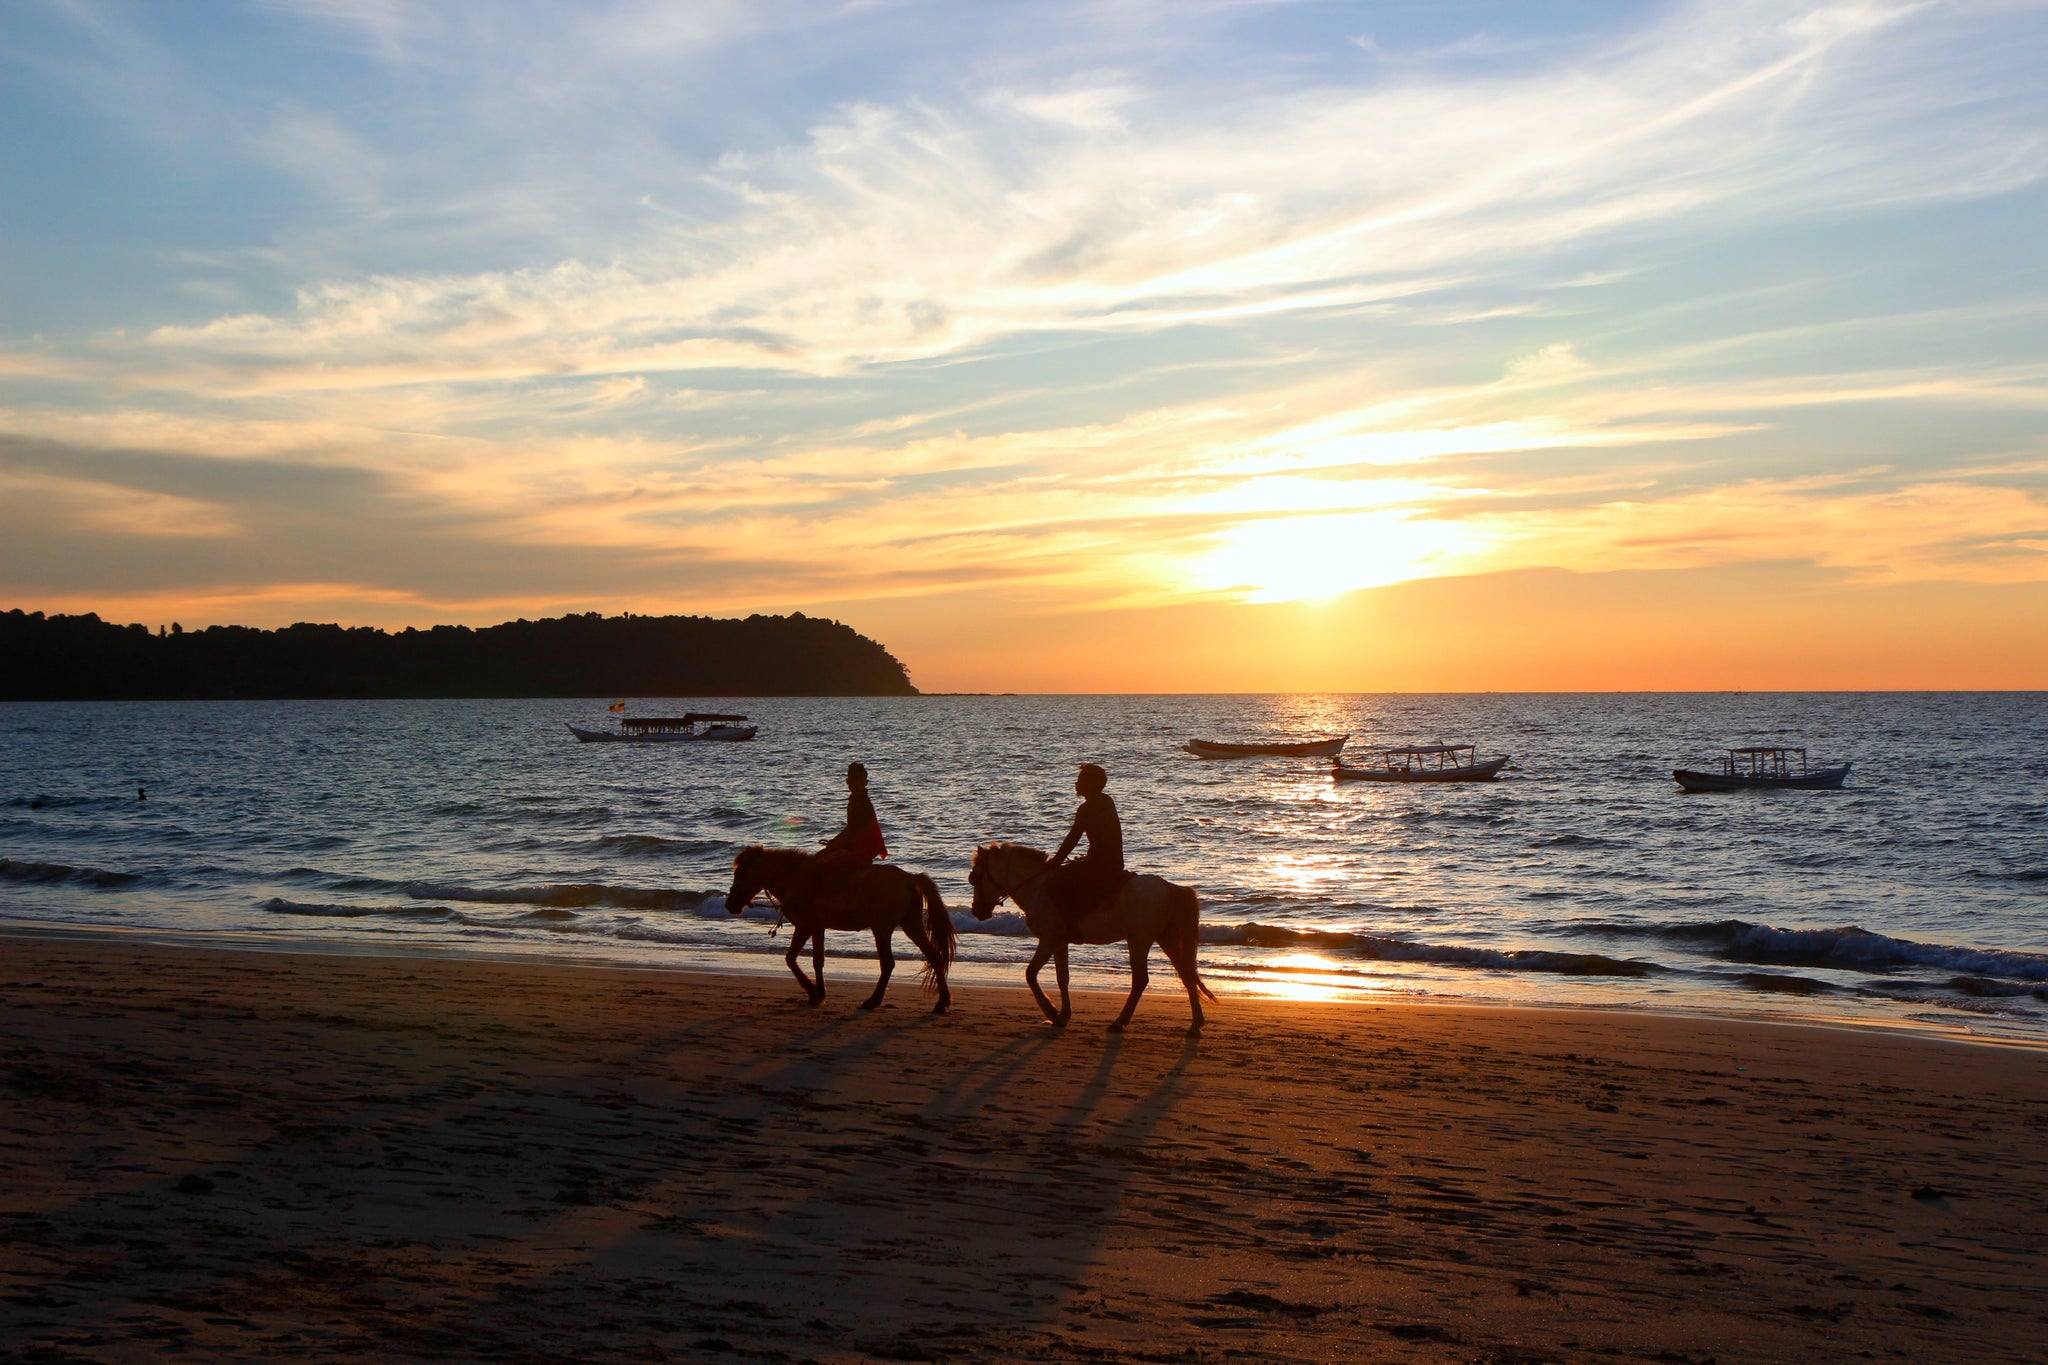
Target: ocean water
1916 897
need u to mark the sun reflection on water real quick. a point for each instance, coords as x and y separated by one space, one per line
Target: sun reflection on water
1310 976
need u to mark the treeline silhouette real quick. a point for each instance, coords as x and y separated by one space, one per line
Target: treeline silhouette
77 658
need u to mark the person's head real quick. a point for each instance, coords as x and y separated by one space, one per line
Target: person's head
1092 780
856 776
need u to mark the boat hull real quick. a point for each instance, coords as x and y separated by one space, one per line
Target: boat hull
1474 772
727 733
1822 779
1317 748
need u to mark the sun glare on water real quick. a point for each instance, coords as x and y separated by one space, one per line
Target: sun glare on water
1306 558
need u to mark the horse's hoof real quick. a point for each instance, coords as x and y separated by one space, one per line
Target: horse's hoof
1116 1026
940 1008
870 1004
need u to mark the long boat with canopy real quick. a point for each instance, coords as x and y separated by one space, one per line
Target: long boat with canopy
669 730
1763 767
1423 763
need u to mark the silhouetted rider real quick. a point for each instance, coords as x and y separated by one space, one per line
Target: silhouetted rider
858 843
1084 885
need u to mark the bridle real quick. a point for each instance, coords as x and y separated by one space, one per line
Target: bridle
1009 893
773 899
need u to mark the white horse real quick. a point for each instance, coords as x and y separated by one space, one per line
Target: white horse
1145 911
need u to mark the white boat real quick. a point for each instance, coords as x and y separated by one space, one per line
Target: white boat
1424 763
669 730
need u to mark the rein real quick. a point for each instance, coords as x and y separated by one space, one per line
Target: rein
1010 893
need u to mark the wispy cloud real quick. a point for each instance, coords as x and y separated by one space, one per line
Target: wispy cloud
907 231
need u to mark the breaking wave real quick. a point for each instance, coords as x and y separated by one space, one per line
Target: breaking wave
277 905
1850 946
558 895
1374 948
15 870
653 846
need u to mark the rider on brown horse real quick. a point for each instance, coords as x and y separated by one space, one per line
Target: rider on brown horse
855 846
1086 884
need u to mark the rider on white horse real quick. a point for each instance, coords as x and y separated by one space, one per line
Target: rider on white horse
1085 885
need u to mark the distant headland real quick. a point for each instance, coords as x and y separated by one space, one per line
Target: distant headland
82 658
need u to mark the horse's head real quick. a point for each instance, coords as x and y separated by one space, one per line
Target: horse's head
999 872
985 896
749 877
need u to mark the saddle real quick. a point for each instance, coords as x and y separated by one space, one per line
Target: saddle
831 888
1080 897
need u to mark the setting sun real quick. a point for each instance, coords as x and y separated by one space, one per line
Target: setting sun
1317 557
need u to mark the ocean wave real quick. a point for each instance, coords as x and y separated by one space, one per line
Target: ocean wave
1003 924
1374 948
1851 946
1985 986
567 815
1784 985
544 915
277 905
2024 874
654 846
16 870
43 801
557 895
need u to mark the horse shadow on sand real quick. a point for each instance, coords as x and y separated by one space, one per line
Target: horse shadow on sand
746 1183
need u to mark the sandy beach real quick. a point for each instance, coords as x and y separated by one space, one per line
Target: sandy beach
240 1155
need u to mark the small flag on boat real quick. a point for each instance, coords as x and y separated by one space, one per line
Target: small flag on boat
616 706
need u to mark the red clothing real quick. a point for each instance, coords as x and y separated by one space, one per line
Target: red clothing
861 841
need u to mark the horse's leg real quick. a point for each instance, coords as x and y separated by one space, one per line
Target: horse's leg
884 937
1141 972
931 955
1038 959
818 963
1180 951
1059 972
813 993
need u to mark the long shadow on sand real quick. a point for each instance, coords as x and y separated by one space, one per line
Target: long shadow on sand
742 1182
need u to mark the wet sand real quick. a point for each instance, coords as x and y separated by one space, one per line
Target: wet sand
248 1155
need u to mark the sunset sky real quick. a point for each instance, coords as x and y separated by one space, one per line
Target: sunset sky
1128 346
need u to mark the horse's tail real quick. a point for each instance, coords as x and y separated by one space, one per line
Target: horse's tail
1183 936
938 926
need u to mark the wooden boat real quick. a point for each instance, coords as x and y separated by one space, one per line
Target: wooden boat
1307 748
1763 767
669 730
1412 763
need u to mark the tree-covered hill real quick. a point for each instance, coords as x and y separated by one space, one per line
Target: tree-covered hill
57 658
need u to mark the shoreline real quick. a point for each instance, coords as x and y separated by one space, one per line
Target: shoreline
314 1156
1112 983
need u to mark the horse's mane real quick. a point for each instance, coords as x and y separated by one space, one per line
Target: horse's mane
775 854
987 849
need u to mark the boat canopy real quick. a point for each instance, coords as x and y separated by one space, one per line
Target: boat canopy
674 722
1428 748
1757 760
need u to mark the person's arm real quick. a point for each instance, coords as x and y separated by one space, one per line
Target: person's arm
1073 837
860 813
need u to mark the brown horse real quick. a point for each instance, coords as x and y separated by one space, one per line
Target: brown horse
1145 911
879 899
